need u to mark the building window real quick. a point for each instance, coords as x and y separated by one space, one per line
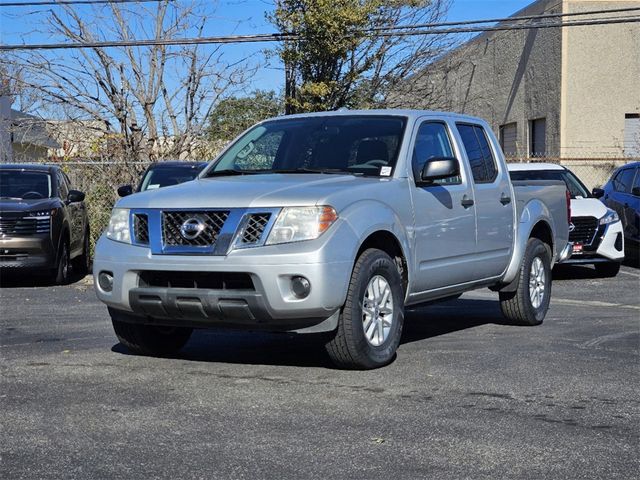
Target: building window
632 135
538 137
509 139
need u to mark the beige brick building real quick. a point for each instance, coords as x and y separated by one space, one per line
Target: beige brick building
556 92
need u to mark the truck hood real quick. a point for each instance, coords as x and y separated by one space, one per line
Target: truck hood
250 191
588 207
27 205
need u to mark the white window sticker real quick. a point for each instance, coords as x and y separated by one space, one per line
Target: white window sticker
385 171
153 186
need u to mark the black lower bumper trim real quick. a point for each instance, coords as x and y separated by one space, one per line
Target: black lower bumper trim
203 308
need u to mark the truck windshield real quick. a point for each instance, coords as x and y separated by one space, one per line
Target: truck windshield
24 184
358 144
574 185
164 176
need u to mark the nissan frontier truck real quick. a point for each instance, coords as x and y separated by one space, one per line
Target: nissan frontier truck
332 222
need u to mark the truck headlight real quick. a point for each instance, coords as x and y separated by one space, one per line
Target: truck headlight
610 217
118 228
295 224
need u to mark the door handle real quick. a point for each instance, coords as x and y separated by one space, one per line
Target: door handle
504 199
466 202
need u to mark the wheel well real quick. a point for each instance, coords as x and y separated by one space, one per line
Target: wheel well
542 232
388 243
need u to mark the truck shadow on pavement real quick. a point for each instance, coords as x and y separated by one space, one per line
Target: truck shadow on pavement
263 348
32 280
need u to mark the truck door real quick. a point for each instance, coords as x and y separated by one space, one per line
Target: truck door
493 203
444 217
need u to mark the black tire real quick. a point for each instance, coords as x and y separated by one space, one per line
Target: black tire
608 269
62 272
148 340
517 306
349 348
82 264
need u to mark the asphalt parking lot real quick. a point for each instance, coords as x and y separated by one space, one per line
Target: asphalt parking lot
466 396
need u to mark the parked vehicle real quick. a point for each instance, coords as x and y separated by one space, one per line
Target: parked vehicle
332 222
622 194
164 174
595 230
43 222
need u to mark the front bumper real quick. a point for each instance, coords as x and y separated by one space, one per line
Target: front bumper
608 246
269 305
32 251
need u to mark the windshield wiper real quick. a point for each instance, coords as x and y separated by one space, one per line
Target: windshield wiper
11 198
229 172
316 170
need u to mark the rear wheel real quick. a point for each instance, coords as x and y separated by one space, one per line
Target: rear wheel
528 305
149 340
608 269
371 319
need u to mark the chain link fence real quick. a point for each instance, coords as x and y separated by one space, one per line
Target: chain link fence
100 180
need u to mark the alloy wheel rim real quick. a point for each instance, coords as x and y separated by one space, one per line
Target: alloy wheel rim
537 282
377 311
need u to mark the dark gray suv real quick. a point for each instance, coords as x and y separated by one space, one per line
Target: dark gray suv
43 222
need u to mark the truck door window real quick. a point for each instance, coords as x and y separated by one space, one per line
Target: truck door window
432 141
483 165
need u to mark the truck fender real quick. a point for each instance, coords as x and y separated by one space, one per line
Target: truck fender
358 218
533 213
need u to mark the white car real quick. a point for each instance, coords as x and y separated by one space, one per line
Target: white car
595 230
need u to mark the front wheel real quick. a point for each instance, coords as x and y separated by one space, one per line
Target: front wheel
149 340
371 319
528 305
62 272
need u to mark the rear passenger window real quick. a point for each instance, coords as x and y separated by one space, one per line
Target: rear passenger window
483 165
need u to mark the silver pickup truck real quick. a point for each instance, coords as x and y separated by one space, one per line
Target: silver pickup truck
332 222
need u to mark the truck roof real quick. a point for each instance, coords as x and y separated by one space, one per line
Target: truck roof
382 112
533 166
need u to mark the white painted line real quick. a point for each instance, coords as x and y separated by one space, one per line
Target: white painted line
556 300
631 274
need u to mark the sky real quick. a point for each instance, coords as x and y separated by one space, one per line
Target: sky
19 25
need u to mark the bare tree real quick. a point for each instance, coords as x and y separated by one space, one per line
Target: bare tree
144 102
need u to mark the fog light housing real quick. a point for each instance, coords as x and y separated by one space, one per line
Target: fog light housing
105 281
300 287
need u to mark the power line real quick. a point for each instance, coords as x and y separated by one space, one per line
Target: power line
39 3
514 19
408 30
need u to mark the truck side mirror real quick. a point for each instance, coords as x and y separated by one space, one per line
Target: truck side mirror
439 168
75 196
125 190
597 192
635 191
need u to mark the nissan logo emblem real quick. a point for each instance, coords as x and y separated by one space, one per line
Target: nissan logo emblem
191 228
572 227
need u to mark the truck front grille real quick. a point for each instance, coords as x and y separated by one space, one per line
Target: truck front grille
584 230
254 228
141 228
13 224
202 280
175 231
